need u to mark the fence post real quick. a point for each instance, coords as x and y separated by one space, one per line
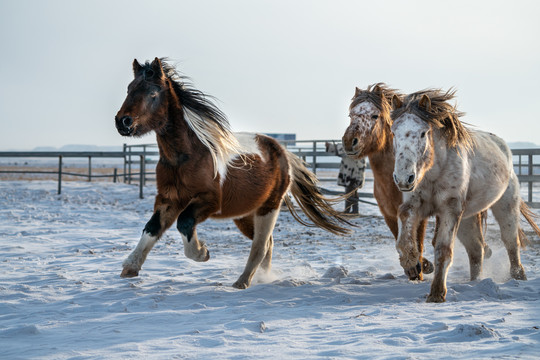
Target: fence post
141 177
314 157
89 168
144 165
115 175
530 174
125 160
59 174
129 165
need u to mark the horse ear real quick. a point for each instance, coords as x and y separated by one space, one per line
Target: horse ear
425 102
357 92
396 102
157 67
378 90
136 67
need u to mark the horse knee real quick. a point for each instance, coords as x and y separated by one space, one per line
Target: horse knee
153 226
185 225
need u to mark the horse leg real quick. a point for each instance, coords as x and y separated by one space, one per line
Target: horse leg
444 249
246 226
470 235
507 213
427 266
165 212
261 247
186 224
406 244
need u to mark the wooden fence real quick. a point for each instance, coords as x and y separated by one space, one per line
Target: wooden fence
139 165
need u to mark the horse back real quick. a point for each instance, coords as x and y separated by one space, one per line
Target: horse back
490 171
256 181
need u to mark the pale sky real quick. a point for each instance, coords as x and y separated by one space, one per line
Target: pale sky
275 66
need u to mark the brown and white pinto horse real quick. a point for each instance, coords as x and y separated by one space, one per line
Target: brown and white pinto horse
369 134
205 171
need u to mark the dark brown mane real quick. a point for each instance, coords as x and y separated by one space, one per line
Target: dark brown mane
195 100
438 113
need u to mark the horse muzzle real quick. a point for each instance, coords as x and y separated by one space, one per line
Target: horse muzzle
124 125
406 183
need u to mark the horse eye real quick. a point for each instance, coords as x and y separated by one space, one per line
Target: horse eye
423 134
374 116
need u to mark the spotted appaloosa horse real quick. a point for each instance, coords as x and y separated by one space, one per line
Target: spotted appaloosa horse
205 170
452 172
369 135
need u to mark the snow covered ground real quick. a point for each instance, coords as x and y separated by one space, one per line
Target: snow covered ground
328 297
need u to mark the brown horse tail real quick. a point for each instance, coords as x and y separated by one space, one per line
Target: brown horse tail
529 216
312 202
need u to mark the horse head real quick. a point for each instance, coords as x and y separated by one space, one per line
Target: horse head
413 145
369 129
145 107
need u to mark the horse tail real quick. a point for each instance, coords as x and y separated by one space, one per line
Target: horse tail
527 213
317 208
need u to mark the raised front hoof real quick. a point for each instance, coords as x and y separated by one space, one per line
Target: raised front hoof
518 274
202 256
205 256
436 298
415 272
129 273
240 285
427 266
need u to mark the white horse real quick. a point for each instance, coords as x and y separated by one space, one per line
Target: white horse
447 170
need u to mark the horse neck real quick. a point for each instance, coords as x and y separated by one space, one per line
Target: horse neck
177 140
382 162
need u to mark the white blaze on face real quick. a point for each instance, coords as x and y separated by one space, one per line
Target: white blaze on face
410 142
361 116
363 121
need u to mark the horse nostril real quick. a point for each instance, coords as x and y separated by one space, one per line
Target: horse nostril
411 179
395 179
127 121
355 142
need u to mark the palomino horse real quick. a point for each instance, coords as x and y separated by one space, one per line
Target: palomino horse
447 170
205 170
369 135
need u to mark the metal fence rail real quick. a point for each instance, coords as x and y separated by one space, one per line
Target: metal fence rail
313 152
76 154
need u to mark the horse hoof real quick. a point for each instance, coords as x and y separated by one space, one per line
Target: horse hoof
129 273
414 273
240 285
519 274
427 266
435 299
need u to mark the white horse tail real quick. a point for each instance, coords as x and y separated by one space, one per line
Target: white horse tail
529 216
317 207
